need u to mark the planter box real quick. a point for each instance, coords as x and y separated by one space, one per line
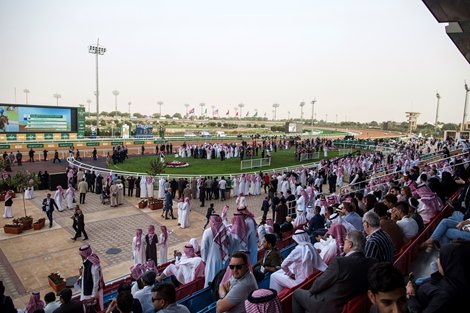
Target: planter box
56 287
38 226
12 230
142 204
27 225
156 205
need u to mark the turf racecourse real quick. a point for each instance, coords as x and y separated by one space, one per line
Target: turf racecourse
281 158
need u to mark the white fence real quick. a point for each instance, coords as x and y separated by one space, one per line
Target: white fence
309 156
252 163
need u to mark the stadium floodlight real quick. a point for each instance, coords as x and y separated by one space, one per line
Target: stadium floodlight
57 97
97 50
26 91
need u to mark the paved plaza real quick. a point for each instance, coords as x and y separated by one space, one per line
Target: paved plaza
27 259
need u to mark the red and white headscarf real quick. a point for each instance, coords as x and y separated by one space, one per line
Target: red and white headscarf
61 190
8 195
263 300
151 231
239 226
35 302
138 238
164 231
219 233
87 254
339 232
137 270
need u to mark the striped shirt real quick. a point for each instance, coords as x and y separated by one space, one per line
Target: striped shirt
380 246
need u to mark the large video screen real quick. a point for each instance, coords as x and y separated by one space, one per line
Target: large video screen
36 119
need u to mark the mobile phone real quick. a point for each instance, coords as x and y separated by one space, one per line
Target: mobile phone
411 277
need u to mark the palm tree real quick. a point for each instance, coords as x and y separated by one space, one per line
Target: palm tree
275 106
202 105
241 105
302 104
187 106
160 103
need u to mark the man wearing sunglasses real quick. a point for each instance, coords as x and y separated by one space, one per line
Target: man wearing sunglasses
235 291
164 299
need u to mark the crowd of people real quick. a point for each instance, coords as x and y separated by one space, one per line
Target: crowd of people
350 234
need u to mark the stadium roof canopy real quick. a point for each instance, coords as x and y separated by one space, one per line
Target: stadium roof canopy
457 14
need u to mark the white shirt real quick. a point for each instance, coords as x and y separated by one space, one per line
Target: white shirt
51 307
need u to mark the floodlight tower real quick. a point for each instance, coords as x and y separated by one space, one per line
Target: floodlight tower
97 50
115 93
26 91
57 97
302 104
462 127
438 96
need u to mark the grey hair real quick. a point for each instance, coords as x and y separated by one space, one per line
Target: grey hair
357 239
372 219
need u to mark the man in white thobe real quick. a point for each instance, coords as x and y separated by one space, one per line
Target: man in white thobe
303 261
214 248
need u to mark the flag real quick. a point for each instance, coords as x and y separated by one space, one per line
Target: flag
247 113
228 112
205 112
236 114
216 112
191 111
256 114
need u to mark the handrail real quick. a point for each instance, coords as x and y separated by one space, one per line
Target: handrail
396 172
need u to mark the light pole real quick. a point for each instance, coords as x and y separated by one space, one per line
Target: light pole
129 110
57 97
241 105
326 117
313 111
202 106
336 119
302 104
187 106
212 107
97 50
275 106
438 96
160 103
288 115
465 107
112 129
26 91
89 102
115 93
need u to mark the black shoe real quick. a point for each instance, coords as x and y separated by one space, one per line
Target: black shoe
166 218
173 218
84 239
74 239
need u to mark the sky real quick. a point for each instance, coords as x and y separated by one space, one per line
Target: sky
360 60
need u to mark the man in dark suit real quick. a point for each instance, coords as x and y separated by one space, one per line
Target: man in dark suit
79 221
271 260
345 278
48 205
68 306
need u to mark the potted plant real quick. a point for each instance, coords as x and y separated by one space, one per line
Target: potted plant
39 224
13 229
26 222
56 282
